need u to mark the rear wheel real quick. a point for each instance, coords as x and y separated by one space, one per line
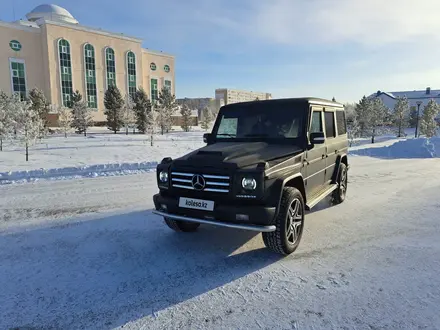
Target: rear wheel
289 223
340 193
184 226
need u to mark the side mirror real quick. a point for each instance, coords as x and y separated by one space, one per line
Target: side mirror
206 137
317 138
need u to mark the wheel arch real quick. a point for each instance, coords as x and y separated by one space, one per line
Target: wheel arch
341 159
295 181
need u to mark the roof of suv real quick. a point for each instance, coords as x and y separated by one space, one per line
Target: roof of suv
298 100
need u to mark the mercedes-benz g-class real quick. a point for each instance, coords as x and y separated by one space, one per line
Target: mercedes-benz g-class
265 164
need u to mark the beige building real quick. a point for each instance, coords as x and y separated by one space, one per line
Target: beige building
52 51
227 96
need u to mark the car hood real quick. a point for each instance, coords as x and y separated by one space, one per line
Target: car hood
241 154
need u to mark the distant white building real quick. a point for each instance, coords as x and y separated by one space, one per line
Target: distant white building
225 96
423 96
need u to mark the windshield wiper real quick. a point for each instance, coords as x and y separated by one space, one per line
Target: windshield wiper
257 135
226 134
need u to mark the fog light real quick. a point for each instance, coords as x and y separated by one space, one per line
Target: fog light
242 217
163 207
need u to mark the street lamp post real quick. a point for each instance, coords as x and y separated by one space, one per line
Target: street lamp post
418 115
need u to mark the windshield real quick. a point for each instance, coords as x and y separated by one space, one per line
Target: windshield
260 122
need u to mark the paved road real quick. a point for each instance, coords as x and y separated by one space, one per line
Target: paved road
370 263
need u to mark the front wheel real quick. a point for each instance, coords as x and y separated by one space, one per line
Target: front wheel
184 226
289 223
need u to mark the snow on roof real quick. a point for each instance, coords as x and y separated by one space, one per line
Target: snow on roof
420 94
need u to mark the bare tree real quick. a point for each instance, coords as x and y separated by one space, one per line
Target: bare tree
166 107
28 123
128 114
6 118
65 119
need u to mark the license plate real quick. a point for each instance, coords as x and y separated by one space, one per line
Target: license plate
196 204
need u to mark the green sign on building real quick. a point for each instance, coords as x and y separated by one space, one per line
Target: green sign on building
15 45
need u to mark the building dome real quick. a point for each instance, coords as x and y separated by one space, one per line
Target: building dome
52 13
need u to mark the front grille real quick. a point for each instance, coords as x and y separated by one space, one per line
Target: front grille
213 183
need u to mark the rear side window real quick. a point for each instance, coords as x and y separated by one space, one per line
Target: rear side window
316 126
340 120
329 124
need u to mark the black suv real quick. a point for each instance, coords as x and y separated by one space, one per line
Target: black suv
265 164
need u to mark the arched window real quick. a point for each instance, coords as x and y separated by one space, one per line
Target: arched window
65 71
110 67
131 73
90 76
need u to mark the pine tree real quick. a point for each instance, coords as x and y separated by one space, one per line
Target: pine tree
65 119
76 98
378 117
166 107
353 129
42 106
363 112
185 112
27 122
114 103
206 119
82 117
428 124
128 115
401 114
142 110
6 118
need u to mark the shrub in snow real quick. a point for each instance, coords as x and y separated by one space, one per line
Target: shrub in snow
401 115
185 112
143 111
206 118
6 118
428 124
27 122
81 114
65 119
114 104
166 107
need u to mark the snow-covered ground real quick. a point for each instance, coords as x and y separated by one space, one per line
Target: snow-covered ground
88 253
101 153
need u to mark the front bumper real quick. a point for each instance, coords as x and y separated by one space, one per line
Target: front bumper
261 218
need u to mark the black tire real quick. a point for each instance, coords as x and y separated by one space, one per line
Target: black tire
287 236
341 192
183 226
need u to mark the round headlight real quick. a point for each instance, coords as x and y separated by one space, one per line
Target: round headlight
249 183
163 177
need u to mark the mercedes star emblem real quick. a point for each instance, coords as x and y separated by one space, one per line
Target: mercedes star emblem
198 182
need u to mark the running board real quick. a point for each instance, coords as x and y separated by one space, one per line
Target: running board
221 224
320 196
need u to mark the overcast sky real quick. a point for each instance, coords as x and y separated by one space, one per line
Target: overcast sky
323 48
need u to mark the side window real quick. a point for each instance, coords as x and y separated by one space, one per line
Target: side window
340 120
329 124
316 122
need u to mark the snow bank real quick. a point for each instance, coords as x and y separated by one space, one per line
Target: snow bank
410 148
76 172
